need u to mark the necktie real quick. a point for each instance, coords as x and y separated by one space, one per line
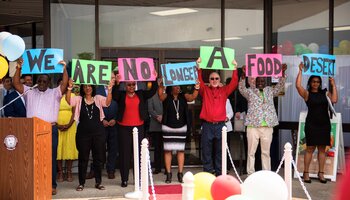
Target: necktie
7 92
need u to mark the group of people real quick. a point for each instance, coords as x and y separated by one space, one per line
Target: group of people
86 122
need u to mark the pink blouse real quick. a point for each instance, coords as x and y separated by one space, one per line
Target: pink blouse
100 102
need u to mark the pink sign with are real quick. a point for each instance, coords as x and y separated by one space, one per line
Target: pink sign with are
136 69
264 65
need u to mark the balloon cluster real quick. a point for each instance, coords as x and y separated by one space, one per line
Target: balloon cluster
261 185
11 47
288 48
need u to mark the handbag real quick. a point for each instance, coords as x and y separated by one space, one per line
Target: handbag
238 124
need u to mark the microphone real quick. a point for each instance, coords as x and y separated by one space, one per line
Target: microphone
34 86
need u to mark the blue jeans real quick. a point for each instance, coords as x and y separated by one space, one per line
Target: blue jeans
54 155
211 134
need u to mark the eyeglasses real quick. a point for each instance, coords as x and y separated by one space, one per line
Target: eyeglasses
131 84
214 78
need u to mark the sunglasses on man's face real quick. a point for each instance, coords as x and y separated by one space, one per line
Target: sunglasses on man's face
214 78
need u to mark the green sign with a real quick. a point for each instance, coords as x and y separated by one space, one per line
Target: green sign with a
217 58
91 72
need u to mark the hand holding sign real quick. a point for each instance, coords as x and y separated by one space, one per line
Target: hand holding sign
301 66
284 68
62 62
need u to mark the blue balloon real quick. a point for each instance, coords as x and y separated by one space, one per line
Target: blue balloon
323 49
13 47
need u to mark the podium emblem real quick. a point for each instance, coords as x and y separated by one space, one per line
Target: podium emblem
10 142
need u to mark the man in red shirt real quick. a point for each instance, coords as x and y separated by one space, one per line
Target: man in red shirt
213 114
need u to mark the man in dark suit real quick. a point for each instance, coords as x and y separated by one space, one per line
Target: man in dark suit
17 108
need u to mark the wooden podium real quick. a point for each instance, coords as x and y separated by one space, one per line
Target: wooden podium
25 159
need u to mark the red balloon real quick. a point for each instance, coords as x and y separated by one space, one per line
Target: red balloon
287 48
274 49
225 186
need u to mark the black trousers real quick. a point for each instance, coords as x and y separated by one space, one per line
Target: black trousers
112 148
157 140
95 143
126 148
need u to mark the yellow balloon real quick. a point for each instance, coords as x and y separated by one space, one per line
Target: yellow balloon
4 67
202 185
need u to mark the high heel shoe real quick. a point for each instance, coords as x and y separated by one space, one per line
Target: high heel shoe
306 180
322 180
168 177
180 177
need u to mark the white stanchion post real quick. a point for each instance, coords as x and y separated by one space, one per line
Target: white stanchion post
144 169
136 194
188 186
288 157
223 150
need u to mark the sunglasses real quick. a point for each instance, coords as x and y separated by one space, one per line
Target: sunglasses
131 84
216 78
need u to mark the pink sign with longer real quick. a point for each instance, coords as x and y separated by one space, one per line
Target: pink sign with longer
136 69
265 65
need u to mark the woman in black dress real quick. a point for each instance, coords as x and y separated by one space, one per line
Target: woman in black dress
174 126
317 124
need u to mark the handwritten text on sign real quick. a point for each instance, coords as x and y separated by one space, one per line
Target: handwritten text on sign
42 61
319 64
179 74
91 72
136 69
264 65
217 58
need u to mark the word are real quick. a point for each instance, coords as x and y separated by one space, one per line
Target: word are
91 72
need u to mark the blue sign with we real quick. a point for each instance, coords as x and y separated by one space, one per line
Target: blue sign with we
42 61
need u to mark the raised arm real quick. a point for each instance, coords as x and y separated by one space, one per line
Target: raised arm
110 86
193 96
242 87
334 94
69 91
161 92
200 78
16 78
302 92
281 81
64 83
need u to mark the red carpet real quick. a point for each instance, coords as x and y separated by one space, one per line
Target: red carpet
166 192
166 189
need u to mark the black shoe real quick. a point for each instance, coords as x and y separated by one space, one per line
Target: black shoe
111 175
156 171
322 180
306 180
168 177
180 177
90 175
124 184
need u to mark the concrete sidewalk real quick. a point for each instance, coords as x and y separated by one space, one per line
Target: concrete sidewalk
66 190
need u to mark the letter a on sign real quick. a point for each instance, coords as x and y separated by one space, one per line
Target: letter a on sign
217 58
